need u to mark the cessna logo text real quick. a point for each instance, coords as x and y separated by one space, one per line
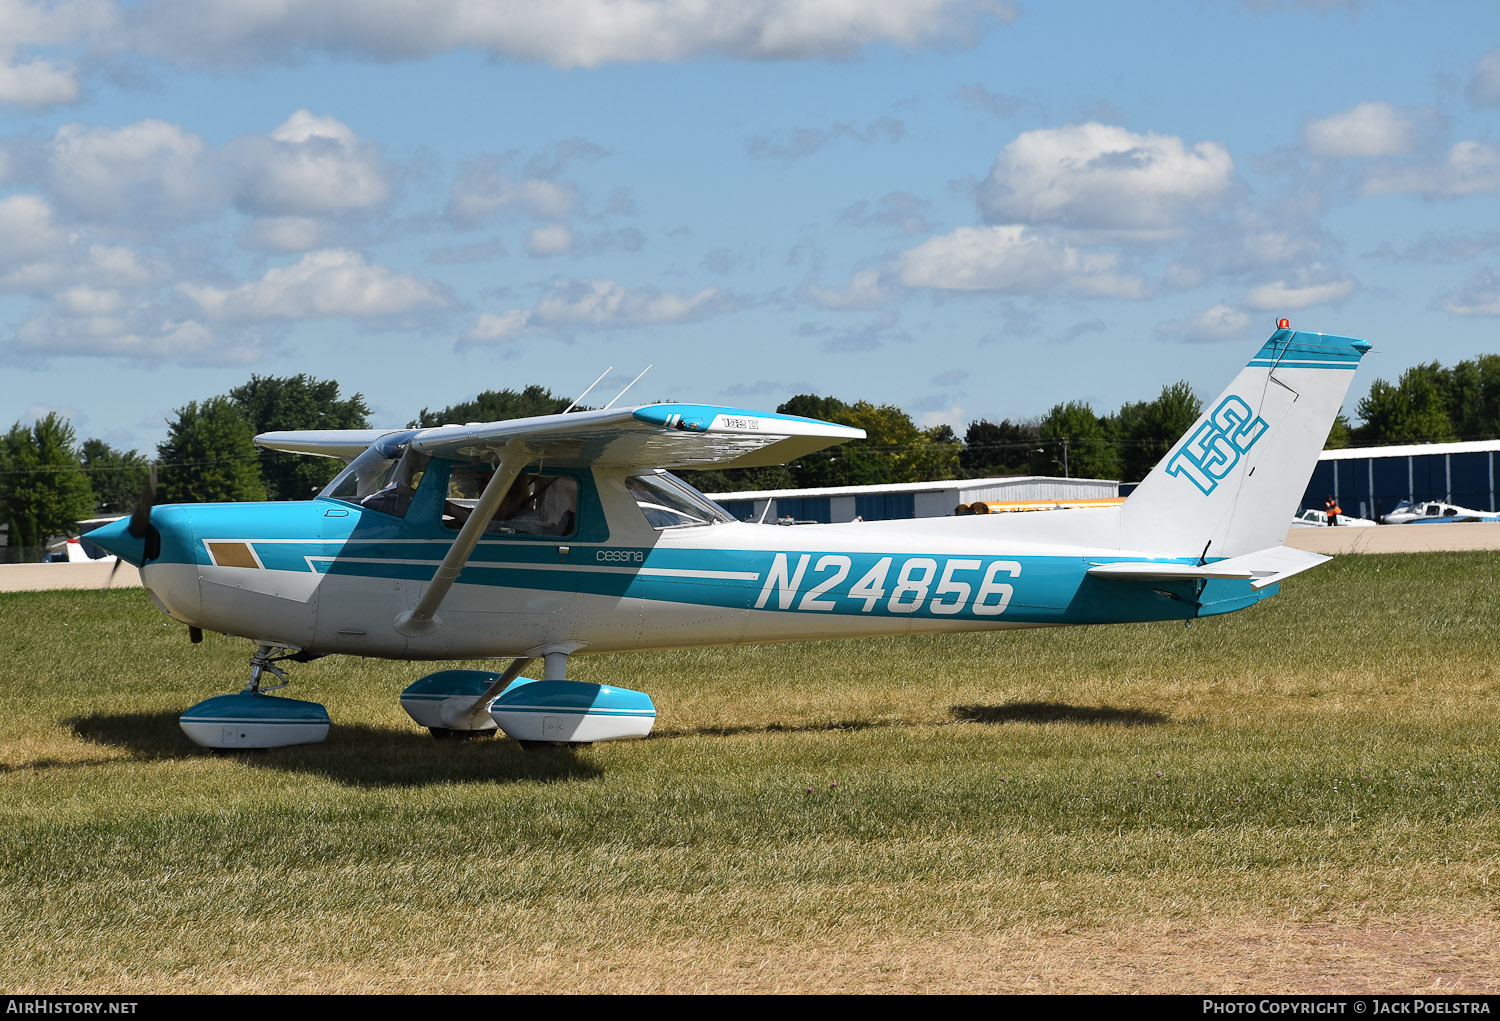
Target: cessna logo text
1215 446
620 556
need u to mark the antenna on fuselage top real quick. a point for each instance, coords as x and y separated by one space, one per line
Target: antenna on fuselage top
632 383
591 386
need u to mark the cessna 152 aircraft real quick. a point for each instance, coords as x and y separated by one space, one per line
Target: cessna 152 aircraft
549 537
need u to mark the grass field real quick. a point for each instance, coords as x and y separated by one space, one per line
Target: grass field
1304 796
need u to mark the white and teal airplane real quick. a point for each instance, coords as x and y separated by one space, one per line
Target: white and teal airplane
562 535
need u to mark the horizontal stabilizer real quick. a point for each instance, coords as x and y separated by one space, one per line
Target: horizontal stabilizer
1261 568
1268 566
1148 571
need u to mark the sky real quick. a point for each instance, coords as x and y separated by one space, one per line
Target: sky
966 209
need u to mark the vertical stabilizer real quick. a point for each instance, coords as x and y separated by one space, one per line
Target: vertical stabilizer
1232 484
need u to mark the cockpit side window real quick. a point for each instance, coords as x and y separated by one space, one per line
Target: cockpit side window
535 504
668 502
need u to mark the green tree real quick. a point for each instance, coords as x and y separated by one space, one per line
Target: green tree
1339 433
1472 394
1003 448
912 454
45 491
1146 430
1415 410
1075 442
209 455
894 449
117 476
272 403
496 406
855 463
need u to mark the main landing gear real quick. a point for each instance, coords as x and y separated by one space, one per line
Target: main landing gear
449 703
554 710
253 719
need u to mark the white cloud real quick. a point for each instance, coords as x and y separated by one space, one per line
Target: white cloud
1479 296
39 256
82 300
605 303
28 230
1221 322
945 416
1468 168
284 234
497 329
83 263
1098 177
1370 129
866 290
150 169
332 282
1314 285
566 33
551 239
484 189
308 166
598 304
34 83
1484 87
1014 260
137 338
806 141
37 83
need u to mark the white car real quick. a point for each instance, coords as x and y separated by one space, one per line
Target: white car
1316 518
1408 513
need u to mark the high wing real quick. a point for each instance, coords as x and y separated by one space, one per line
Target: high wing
655 435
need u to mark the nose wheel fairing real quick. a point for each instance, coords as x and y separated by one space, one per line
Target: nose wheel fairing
253 720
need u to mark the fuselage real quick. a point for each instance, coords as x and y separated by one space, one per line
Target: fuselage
332 575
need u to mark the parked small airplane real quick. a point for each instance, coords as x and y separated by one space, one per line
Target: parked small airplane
549 537
1434 511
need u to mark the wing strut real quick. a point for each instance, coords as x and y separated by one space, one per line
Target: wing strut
422 619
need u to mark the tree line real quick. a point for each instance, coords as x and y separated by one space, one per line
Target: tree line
49 481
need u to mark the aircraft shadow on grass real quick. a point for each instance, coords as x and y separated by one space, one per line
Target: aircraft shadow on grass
1056 712
734 730
356 755
1011 712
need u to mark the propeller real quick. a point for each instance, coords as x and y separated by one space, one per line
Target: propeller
140 518
140 527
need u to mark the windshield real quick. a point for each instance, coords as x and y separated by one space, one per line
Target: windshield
384 478
668 502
